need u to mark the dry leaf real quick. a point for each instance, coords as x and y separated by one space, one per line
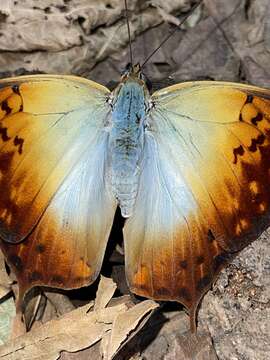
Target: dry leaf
126 324
76 330
58 37
105 292
7 314
60 302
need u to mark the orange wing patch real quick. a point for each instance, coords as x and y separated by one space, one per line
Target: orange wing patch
181 272
48 257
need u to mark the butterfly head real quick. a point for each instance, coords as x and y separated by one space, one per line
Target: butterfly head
131 77
134 73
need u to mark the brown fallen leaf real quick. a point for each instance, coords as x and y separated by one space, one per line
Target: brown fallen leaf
71 37
78 329
7 314
125 326
105 292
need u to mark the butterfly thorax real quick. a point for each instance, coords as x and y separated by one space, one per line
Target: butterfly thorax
126 141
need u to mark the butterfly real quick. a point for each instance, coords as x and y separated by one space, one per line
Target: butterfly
189 167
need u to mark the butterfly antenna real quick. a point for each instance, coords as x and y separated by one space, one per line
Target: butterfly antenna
172 33
129 37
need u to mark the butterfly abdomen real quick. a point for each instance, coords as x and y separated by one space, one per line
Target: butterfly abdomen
126 144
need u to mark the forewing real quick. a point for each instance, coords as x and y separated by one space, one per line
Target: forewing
46 124
56 207
204 190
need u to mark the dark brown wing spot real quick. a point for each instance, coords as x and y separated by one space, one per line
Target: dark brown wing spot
16 261
183 264
19 142
249 99
238 151
40 248
254 142
257 118
5 107
35 276
3 133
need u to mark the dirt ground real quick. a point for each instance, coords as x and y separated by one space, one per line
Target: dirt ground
222 40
